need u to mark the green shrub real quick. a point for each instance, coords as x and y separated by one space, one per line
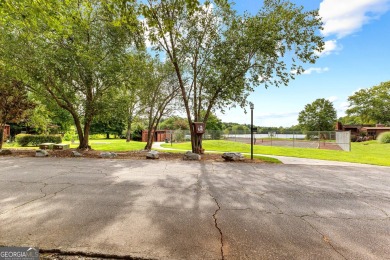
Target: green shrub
136 135
178 136
35 140
69 136
216 134
384 138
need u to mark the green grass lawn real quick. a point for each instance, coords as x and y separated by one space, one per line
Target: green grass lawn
117 145
258 157
120 145
367 152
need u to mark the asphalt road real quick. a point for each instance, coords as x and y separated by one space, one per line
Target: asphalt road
195 210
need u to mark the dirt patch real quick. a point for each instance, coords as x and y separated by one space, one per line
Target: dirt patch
131 155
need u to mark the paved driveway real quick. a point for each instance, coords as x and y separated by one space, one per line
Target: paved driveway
192 210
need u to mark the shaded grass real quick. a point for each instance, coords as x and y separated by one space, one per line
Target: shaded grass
117 145
256 157
120 145
366 152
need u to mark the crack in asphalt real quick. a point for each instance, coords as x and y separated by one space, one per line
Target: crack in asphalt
41 197
41 190
57 175
324 238
216 225
55 193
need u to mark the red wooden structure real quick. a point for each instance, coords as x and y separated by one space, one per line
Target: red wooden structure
158 135
6 133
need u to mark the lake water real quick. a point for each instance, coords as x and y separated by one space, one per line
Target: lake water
259 136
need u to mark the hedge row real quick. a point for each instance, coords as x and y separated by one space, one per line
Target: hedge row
35 140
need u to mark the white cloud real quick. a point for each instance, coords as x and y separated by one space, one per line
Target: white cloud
317 70
332 98
344 17
341 107
329 47
344 105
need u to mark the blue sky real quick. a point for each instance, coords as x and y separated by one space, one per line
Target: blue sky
357 55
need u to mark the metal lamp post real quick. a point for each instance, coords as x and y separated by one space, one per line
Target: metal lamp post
251 107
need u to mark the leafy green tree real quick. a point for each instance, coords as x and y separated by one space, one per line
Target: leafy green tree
14 103
220 56
213 127
114 125
213 122
174 123
127 100
70 51
162 90
371 104
47 117
240 129
39 119
318 116
355 120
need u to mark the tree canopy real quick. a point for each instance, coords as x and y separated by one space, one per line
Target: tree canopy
88 56
371 104
220 56
14 102
69 51
318 116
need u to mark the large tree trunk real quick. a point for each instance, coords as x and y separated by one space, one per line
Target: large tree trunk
78 128
150 139
128 133
1 136
151 130
84 143
83 135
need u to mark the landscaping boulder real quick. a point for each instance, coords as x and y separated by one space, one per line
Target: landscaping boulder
5 152
152 155
190 156
108 155
76 154
41 153
233 157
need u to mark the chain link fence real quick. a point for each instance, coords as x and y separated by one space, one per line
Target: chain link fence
330 140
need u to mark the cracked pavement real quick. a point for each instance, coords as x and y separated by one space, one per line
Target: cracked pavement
195 210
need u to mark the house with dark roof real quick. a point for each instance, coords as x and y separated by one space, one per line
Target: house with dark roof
355 130
374 131
369 131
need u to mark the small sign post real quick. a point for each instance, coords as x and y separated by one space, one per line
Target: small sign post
199 129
